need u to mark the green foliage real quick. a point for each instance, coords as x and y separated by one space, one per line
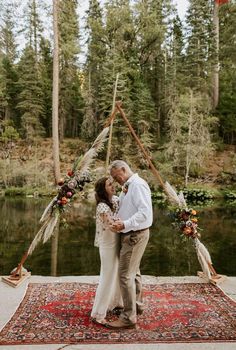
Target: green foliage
30 97
15 191
8 90
197 194
7 26
7 132
45 76
231 195
190 125
158 58
89 124
70 98
29 191
201 52
159 198
227 55
3 90
93 71
32 26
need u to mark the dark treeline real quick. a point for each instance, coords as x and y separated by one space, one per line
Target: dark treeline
165 74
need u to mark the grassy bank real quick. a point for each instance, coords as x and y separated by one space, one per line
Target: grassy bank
192 194
28 171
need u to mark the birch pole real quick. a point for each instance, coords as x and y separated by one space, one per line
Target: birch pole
54 251
111 125
55 128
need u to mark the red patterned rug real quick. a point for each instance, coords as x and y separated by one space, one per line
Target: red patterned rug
59 313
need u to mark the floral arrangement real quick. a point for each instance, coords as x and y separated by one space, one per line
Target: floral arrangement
75 179
186 222
68 188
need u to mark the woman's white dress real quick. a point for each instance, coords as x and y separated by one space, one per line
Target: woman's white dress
108 294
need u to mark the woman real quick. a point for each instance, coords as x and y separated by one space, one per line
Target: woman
108 294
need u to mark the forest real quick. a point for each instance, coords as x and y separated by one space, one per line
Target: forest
176 81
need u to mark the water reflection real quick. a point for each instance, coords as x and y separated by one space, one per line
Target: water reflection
71 251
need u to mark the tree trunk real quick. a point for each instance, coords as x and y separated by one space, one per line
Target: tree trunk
55 94
34 17
215 82
54 251
188 149
111 126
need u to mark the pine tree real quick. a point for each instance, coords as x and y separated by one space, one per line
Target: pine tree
145 114
190 142
93 68
120 57
173 75
70 98
227 57
152 20
45 77
33 26
3 90
30 97
89 125
200 45
10 78
7 38
175 59
8 55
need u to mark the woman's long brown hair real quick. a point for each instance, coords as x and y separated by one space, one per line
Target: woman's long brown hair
101 195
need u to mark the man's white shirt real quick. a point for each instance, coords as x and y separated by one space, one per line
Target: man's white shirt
136 205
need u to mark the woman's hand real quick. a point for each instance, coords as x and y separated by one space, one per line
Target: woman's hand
117 225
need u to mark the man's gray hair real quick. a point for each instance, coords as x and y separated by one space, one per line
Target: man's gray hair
117 164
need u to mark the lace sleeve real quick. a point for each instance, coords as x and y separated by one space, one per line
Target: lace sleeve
104 213
116 204
102 208
103 219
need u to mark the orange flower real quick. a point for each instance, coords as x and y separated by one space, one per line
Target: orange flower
187 230
194 220
194 212
64 200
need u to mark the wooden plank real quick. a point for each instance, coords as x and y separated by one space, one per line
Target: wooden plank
214 279
16 281
218 279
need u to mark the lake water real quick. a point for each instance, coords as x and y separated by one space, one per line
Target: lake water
74 253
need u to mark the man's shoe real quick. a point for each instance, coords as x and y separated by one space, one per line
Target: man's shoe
117 310
139 311
118 324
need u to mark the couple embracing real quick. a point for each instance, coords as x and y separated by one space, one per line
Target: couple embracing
122 233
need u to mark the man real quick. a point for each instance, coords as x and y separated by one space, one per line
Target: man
134 219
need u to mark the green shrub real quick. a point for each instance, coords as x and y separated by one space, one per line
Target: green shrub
230 195
197 194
